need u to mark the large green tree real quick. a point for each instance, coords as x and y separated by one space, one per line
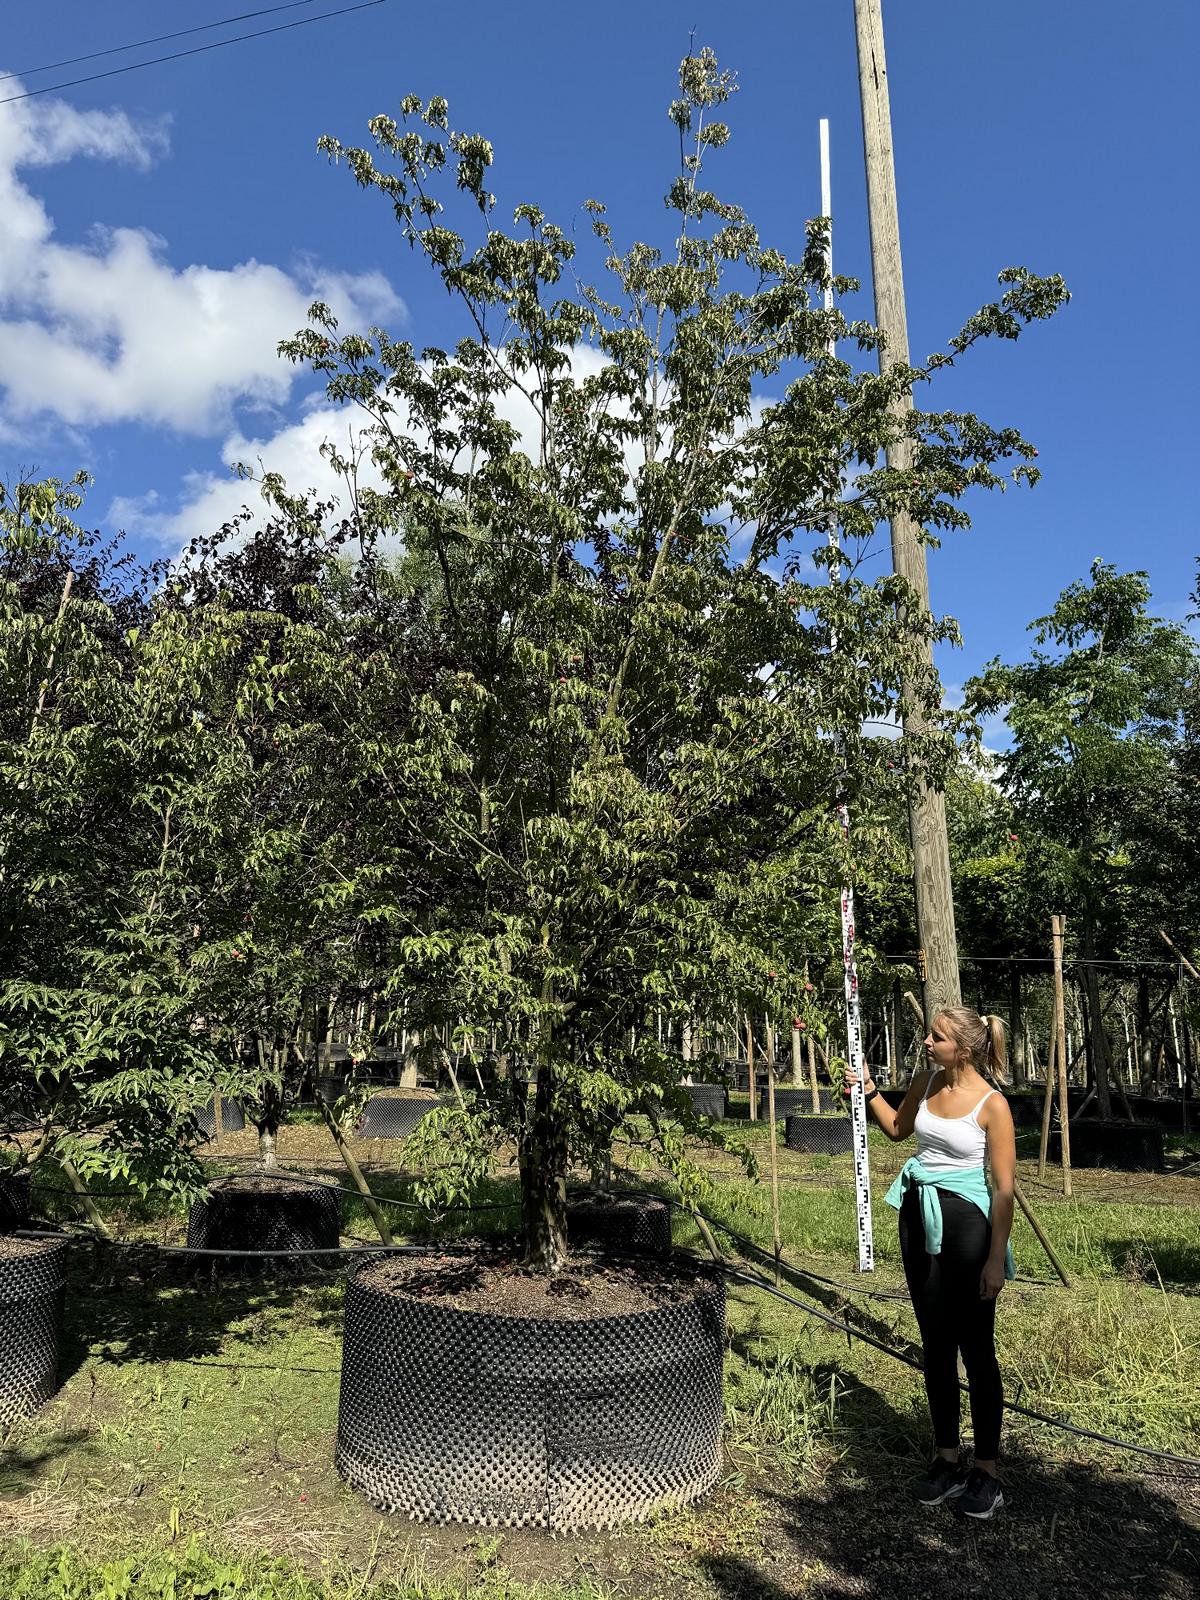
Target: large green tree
619 756
1095 716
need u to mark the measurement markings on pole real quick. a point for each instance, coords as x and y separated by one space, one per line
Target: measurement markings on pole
858 1105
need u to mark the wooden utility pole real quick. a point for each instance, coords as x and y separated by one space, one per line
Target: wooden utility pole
927 807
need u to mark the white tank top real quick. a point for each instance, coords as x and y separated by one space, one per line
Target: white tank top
950 1144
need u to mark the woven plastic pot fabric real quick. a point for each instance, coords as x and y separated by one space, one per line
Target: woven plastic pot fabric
819 1136
14 1201
1125 1146
232 1117
265 1214
620 1222
1165 1113
795 1102
458 1416
32 1283
392 1116
708 1099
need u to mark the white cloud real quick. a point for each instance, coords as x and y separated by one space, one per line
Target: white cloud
208 500
109 331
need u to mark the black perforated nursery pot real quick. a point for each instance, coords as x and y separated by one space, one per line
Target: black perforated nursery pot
1124 1146
631 1222
32 1279
819 1136
1164 1112
251 1212
708 1099
232 1118
798 1102
453 1415
393 1116
14 1201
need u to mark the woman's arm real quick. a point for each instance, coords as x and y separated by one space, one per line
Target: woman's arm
996 1121
896 1124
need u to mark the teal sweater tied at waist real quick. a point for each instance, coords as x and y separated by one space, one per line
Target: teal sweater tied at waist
969 1182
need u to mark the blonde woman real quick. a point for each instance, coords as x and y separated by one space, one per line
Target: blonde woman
954 1232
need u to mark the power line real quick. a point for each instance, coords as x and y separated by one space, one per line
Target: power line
159 38
196 50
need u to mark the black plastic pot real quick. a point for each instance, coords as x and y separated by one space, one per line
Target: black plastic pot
392 1116
708 1099
823 1136
14 1200
1123 1146
451 1415
631 1222
1165 1113
797 1102
232 1117
249 1212
329 1088
1026 1107
32 1280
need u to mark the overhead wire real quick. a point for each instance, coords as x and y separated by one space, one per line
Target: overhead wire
196 50
158 38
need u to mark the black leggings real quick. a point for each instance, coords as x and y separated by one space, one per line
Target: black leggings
952 1317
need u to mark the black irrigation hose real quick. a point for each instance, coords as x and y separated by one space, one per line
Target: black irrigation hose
751 1278
287 1176
193 1250
908 1361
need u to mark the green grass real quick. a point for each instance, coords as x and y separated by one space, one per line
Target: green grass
203 1408
191 1573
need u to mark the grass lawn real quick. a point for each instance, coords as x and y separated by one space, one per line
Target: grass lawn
188 1452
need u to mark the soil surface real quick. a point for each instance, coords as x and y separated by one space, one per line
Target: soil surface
250 1184
599 1201
14 1249
496 1284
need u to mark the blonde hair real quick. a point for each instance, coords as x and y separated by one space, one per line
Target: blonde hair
981 1038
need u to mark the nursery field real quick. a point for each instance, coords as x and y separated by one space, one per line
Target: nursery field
188 1452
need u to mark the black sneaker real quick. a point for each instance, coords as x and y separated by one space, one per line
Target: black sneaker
981 1496
945 1480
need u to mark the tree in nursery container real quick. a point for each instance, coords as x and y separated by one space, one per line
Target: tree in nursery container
624 718
101 995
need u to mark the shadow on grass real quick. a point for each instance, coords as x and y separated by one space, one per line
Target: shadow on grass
22 1464
127 1307
1177 1260
1068 1528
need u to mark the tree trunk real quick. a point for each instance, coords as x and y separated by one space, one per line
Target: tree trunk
542 1164
797 1059
1145 1040
1097 1044
1016 1027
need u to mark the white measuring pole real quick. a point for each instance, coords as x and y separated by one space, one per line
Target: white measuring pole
854 1036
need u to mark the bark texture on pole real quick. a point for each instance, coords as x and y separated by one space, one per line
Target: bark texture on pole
927 807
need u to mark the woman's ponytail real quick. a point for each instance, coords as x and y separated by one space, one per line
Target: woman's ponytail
995 1050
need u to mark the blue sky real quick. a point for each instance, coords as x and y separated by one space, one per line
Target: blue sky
161 230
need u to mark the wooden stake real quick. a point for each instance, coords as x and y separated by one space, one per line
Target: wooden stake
750 1069
71 1174
1058 929
1048 1097
356 1172
1019 1196
774 1145
813 1086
